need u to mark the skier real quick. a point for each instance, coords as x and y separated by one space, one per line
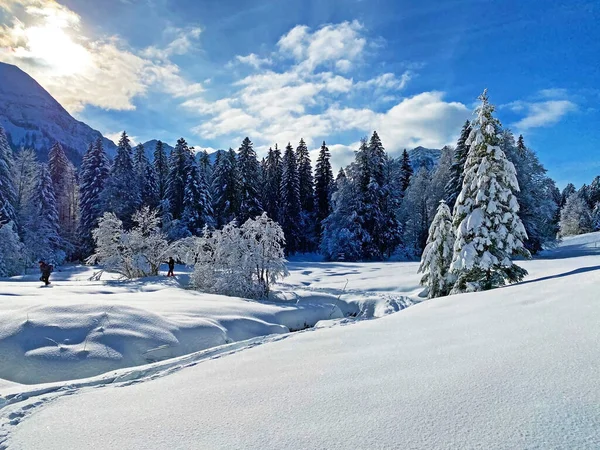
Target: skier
46 270
171 267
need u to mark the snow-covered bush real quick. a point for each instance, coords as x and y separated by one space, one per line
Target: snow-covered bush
576 216
136 253
12 259
239 261
437 256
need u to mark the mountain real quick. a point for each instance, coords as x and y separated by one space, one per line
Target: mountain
150 146
424 157
32 118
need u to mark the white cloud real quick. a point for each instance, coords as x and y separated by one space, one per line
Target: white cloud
46 41
542 114
254 60
306 100
183 41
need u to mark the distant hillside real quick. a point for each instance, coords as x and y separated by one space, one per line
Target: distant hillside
424 157
32 118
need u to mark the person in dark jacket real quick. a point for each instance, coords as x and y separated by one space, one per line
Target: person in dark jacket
171 267
46 270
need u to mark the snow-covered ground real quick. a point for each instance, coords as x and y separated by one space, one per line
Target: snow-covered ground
512 368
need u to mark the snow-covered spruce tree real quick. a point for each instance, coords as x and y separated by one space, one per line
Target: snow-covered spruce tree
488 229
7 188
323 187
161 169
414 214
272 183
197 210
538 206
12 251
177 178
145 175
240 261
596 217
136 253
225 188
249 173
454 185
575 216
308 239
439 180
290 208
121 195
64 183
569 190
41 232
405 172
437 256
205 172
25 171
92 180
343 233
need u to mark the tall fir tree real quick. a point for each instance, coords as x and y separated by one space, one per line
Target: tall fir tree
538 207
308 239
146 178
7 188
272 183
405 173
177 177
62 173
437 256
576 216
25 172
161 169
206 175
226 188
290 208
196 209
41 237
249 173
120 197
93 178
323 187
454 185
489 230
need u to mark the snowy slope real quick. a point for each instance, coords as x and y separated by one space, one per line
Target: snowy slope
80 327
507 369
33 118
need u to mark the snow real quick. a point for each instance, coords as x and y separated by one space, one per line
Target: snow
515 367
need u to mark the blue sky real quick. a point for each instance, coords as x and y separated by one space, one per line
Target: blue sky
277 70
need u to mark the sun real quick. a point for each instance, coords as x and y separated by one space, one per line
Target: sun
56 49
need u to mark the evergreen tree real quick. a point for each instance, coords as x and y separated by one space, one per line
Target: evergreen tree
64 183
146 178
538 207
226 188
489 230
161 169
41 237
343 233
454 185
179 162
414 214
566 193
249 173
121 196
272 184
307 198
305 175
406 172
439 180
196 212
596 217
576 216
290 208
341 177
323 186
25 172
92 181
206 175
437 256
7 188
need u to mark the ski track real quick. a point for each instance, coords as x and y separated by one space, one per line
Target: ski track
16 407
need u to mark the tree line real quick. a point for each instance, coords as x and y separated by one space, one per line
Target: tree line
377 207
